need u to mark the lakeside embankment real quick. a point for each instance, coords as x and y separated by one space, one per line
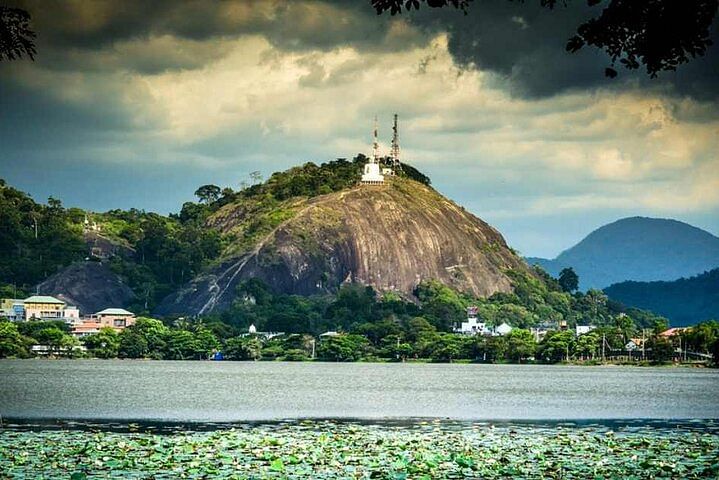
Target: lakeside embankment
330 450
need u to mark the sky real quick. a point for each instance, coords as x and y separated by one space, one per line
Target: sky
136 104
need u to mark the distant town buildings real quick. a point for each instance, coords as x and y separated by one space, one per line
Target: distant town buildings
46 308
38 307
477 326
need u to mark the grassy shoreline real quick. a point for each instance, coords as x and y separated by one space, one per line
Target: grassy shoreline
325 449
589 363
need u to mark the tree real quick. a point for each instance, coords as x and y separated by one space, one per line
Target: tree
16 37
662 349
104 344
243 348
342 348
54 338
714 348
205 343
208 193
490 349
12 342
180 345
556 346
588 345
659 34
146 338
132 345
441 305
568 280
520 345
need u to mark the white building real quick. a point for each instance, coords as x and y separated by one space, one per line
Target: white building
503 329
39 307
473 326
372 174
582 329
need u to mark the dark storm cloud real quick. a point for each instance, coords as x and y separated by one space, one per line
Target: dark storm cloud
32 119
65 28
525 45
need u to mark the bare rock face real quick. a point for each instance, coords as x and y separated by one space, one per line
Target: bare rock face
90 286
390 237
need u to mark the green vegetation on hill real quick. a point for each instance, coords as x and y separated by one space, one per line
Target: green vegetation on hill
167 252
684 302
35 240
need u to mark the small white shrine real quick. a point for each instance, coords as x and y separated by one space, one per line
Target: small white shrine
372 174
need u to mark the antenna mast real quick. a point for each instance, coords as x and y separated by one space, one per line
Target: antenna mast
375 145
394 153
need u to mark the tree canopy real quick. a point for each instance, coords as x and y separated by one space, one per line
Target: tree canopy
17 39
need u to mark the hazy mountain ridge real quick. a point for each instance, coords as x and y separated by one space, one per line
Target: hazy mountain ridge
639 249
684 302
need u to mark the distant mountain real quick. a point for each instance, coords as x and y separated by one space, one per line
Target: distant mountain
684 302
640 249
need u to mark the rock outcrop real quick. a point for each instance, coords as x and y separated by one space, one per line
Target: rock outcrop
90 286
391 237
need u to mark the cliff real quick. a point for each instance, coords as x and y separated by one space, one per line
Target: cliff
390 237
90 286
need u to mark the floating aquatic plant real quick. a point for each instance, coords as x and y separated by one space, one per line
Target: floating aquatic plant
330 450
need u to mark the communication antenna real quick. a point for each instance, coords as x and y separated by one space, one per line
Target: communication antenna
375 145
394 152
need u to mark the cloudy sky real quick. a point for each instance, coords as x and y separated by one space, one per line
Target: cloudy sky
135 104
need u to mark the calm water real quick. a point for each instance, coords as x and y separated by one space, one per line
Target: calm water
238 391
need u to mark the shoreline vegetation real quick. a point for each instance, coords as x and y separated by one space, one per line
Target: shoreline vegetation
358 324
329 449
410 361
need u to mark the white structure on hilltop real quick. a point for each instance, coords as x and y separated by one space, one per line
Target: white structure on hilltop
372 175
473 325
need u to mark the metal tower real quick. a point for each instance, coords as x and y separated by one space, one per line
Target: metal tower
394 152
375 145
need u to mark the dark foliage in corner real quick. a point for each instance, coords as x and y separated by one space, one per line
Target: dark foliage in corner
16 37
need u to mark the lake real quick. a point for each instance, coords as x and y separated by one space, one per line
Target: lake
258 391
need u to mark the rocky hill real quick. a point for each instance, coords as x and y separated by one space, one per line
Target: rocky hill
390 237
89 285
640 249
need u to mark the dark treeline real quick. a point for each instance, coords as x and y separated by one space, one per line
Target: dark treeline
683 301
